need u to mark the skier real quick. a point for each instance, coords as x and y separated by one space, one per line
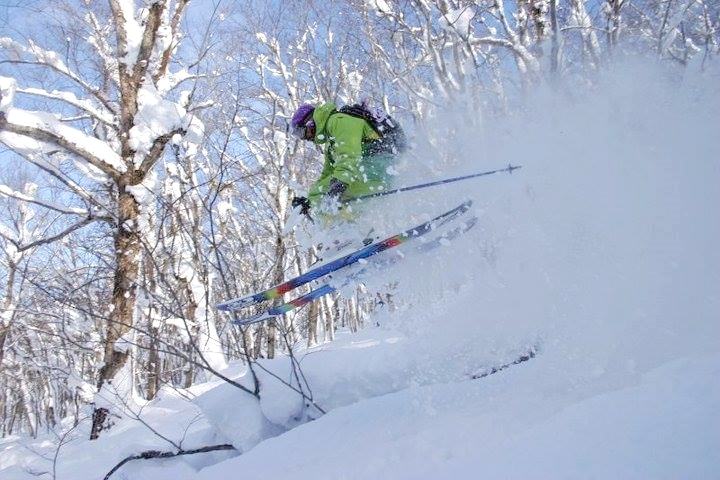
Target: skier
360 149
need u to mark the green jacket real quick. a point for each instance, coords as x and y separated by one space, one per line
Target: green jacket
345 137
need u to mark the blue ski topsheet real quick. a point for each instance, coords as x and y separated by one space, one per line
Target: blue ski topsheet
329 288
322 270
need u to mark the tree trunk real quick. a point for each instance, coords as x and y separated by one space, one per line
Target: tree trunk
312 331
120 319
271 340
5 319
154 364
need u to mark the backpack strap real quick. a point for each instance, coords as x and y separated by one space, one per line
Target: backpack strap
392 137
361 112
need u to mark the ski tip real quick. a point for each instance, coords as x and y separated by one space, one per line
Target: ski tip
260 317
235 304
227 306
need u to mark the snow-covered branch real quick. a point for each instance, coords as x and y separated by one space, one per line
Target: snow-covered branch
9 192
46 134
103 116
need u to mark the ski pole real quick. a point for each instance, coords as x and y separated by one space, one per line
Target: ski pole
508 169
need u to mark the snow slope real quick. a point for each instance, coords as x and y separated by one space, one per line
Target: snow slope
599 255
662 426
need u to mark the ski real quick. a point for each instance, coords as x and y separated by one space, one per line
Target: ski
328 288
353 257
286 307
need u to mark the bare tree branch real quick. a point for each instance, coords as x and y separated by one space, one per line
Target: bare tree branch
60 235
148 454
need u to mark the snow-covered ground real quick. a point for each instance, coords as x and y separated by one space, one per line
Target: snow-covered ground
600 256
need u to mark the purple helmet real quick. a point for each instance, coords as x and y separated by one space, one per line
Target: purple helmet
301 117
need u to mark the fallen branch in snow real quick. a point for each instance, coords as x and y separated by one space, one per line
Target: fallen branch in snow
530 353
158 454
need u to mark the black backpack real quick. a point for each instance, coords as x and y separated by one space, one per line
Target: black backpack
392 139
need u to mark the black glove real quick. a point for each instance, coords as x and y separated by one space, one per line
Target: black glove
304 205
336 188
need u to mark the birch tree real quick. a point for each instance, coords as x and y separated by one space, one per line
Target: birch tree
113 108
451 46
47 339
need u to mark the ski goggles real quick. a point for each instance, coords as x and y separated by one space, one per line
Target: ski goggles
301 131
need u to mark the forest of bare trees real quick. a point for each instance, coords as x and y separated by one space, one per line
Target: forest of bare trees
146 170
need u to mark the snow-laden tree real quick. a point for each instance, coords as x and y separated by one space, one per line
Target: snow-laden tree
452 47
96 116
15 229
685 31
48 338
459 46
